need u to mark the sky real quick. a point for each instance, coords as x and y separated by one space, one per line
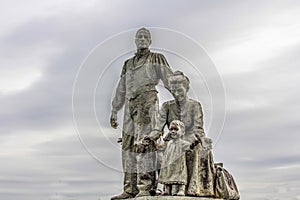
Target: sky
60 62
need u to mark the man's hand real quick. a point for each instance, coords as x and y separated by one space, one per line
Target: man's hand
113 120
154 135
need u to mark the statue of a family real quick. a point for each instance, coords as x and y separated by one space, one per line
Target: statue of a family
186 166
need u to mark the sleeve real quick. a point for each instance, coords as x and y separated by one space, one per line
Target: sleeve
198 121
161 121
119 98
186 145
163 69
162 117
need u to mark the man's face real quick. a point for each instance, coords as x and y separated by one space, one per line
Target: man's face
174 131
142 40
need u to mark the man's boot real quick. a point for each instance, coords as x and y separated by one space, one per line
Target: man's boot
124 195
144 185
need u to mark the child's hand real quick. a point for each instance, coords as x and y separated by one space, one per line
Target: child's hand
167 137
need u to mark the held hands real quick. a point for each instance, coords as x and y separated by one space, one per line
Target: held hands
113 120
153 136
143 145
146 140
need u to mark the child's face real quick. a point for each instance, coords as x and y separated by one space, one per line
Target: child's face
174 131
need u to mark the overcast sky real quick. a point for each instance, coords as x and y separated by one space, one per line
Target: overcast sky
242 58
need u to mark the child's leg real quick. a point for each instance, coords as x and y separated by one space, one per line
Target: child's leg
174 190
167 189
181 190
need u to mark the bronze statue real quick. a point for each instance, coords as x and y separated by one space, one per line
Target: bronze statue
200 163
173 172
187 167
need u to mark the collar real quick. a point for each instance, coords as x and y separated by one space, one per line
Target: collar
183 105
142 52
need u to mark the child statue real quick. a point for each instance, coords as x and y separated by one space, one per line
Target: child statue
173 173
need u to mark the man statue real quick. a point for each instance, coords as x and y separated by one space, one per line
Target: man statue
136 91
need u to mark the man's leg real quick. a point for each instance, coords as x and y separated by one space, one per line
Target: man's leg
130 173
146 114
146 172
128 158
130 188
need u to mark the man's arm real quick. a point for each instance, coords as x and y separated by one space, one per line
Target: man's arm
160 123
163 69
118 100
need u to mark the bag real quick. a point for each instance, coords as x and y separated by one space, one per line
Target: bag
225 186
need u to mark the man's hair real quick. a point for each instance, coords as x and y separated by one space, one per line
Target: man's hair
178 77
179 124
145 30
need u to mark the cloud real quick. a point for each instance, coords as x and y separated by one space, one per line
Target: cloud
54 164
43 44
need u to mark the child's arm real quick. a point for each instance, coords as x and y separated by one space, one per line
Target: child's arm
167 137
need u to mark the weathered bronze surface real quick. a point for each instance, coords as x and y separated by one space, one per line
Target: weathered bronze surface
181 160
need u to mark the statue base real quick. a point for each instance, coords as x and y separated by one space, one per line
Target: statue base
173 198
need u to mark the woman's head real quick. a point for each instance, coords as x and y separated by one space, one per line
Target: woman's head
179 85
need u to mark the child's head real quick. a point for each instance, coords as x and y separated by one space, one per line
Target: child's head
176 129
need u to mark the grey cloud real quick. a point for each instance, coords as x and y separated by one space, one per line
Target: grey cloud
65 169
265 134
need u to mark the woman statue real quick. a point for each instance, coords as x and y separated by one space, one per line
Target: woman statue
199 162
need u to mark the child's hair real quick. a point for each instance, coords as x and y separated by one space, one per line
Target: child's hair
181 126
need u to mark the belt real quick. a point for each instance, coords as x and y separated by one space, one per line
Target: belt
142 90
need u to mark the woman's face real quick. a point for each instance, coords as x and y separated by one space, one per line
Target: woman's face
179 92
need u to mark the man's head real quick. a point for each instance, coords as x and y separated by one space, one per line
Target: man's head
143 38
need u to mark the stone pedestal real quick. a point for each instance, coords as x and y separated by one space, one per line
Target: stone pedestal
173 198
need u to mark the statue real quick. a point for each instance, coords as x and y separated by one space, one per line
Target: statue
187 167
173 173
137 93
200 165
